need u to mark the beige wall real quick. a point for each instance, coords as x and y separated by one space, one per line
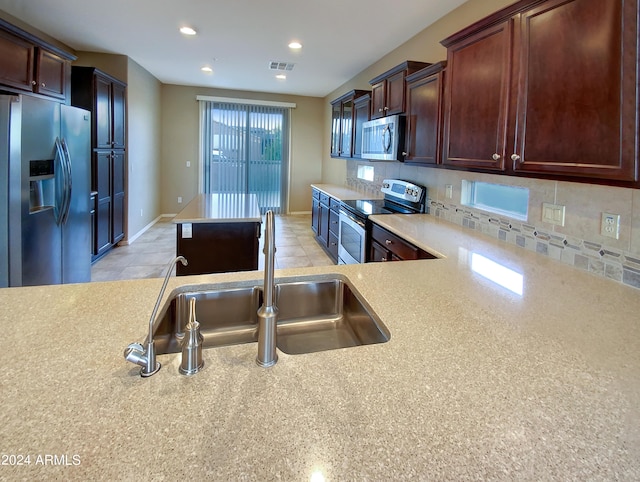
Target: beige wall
584 202
115 65
144 111
180 132
34 31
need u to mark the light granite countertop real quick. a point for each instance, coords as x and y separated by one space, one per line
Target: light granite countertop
539 380
345 193
220 208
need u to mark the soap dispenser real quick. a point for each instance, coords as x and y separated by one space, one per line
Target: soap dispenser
192 361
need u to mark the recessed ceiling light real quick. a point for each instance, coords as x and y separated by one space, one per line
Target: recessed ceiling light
281 76
206 69
187 31
295 45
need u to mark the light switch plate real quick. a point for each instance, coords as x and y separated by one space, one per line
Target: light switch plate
449 191
553 214
610 225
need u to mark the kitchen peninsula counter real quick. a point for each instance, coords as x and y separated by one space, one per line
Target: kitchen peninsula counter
218 233
220 208
537 380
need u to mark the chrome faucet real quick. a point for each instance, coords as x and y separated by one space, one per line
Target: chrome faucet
268 312
135 352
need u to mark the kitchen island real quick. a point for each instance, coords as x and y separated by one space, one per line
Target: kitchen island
218 233
532 379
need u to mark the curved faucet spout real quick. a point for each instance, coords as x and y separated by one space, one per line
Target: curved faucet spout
183 260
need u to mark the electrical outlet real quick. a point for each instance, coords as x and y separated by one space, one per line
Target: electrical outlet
179 199
610 225
188 163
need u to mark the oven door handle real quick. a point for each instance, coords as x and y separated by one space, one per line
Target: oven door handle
352 218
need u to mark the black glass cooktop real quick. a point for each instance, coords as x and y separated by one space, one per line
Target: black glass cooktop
367 207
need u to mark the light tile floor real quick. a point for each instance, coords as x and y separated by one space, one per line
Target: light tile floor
148 256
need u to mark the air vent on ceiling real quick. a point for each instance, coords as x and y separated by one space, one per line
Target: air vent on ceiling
285 66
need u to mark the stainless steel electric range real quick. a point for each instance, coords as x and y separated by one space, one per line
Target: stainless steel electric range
400 197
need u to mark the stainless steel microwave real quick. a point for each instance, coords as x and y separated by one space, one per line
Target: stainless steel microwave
383 139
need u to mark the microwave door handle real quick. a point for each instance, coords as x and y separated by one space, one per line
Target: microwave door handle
386 139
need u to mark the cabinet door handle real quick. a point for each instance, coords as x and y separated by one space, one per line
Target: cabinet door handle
383 259
380 109
496 157
33 82
43 84
388 242
515 157
405 154
386 108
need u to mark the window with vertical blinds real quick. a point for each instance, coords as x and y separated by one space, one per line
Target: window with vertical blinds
244 149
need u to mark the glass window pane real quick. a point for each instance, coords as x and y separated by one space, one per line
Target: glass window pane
511 201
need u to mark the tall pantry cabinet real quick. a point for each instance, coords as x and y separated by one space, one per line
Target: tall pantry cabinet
105 97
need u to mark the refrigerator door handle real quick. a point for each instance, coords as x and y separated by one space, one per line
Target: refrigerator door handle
60 173
68 183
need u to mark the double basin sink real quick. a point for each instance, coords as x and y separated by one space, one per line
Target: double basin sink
313 315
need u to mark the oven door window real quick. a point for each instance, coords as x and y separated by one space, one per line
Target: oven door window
352 240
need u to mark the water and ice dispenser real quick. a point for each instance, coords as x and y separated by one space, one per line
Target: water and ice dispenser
41 185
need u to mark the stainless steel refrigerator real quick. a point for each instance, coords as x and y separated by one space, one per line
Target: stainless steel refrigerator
45 152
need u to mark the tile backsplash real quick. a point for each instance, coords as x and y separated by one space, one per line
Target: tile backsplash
578 243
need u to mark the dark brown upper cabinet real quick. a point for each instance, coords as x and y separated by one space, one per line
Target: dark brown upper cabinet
388 89
577 84
29 65
105 97
16 61
343 120
477 97
53 74
547 88
361 114
424 97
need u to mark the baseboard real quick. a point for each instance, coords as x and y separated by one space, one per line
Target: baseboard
131 239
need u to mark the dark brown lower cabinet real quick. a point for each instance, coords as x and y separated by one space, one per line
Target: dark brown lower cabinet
101 184
217 247
315 211
92 218
118 218
107 181
325 221
386 246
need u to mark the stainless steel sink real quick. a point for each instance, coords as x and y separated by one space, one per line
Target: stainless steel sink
313 316
317 316
226 317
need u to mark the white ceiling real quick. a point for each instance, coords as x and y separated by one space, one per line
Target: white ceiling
238 38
